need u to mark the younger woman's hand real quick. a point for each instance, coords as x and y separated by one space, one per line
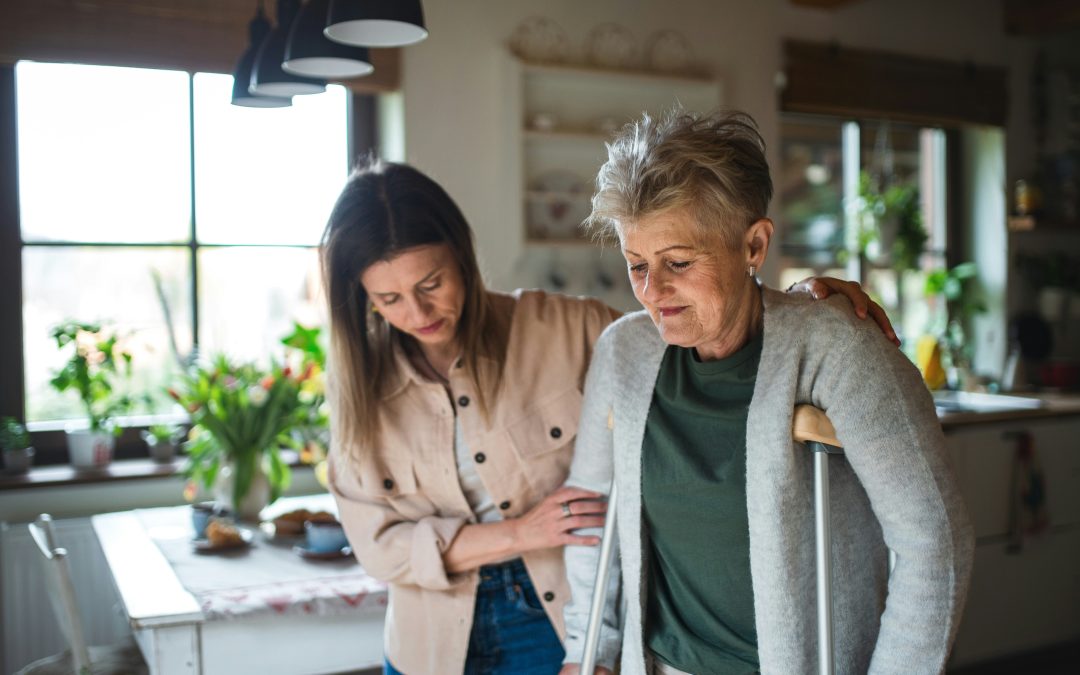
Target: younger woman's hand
822 287
551 522
575 669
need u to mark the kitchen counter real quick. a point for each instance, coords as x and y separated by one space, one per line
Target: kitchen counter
1045 405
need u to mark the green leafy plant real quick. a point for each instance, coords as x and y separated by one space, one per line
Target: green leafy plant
96 361
306 354
241 414
899 203
963 300
13 435
163 433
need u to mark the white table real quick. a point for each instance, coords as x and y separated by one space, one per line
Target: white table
177 636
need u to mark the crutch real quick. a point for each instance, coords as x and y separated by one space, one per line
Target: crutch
812 427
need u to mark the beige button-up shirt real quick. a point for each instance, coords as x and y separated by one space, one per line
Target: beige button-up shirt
402 504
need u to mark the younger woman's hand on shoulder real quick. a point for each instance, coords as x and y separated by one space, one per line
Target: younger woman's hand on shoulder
552 522
820 288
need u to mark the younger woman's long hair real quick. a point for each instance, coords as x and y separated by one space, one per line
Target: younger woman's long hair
385 209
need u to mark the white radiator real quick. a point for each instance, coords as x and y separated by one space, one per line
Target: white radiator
30 630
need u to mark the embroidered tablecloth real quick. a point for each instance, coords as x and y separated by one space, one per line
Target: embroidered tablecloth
266 578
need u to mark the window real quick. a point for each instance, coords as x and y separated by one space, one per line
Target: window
143 191
831 173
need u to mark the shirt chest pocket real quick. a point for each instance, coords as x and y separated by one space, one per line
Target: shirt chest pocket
389 478
548 426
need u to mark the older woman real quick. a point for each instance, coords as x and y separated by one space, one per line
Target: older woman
689 405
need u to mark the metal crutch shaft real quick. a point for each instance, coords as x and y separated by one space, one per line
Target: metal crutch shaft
599 594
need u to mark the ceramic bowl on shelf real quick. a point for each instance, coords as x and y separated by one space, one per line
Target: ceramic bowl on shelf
669 51
558 201
539 39
609 45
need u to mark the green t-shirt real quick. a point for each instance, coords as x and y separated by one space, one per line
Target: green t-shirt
700 613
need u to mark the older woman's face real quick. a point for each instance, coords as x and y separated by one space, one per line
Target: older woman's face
698 294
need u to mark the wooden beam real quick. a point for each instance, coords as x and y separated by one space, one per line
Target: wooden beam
823 4
1040 17
193 35
834 80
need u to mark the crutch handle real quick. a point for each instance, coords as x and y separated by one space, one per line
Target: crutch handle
811 425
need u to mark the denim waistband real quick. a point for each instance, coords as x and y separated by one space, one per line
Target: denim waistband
504 574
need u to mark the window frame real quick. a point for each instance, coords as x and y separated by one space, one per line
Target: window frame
50 444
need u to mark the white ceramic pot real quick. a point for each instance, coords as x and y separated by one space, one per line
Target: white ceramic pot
90 449
18 460
256 499
162 453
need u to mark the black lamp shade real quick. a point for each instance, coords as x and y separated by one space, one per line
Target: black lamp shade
308 52
267 77
376 23
257 31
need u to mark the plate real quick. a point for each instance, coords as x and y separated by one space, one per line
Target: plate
558 202
539 39
202 545
308 554
612 46
669 51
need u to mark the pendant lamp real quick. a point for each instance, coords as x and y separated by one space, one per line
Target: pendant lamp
267 77
257 31
376 23
308 52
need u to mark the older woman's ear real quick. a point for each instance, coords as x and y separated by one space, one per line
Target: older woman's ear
757 239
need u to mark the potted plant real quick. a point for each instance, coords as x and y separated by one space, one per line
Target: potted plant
890 224
161 441
958 287
15 442
96 361
242 415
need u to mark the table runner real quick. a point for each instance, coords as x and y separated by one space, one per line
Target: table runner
266 578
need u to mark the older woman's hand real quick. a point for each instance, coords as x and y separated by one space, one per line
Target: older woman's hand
823 287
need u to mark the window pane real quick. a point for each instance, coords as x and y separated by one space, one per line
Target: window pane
249 297
811 190
267 176
103 153
112 286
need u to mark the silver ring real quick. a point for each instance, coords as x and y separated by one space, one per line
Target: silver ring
566 509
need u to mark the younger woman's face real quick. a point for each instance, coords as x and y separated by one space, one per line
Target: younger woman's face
420 291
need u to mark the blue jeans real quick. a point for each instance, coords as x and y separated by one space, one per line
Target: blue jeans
511 634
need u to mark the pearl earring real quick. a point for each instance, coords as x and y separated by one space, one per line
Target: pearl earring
750 271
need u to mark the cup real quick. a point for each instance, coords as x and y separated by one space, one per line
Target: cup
325 537
201 513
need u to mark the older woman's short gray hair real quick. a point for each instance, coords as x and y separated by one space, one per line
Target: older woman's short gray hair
713 165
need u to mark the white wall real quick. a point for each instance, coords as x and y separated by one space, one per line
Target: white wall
456 105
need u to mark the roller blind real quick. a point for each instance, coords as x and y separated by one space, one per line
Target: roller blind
836 80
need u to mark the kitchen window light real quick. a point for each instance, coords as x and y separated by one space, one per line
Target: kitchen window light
225 204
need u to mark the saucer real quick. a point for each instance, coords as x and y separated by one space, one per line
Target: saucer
308 554
202 545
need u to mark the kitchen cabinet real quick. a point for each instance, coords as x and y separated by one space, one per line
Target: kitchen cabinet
1028 596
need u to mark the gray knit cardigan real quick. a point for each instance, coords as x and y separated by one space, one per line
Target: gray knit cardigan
894 488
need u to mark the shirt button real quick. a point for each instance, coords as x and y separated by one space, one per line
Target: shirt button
463 401
504 505
549 596
480 458
556 432
388 484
